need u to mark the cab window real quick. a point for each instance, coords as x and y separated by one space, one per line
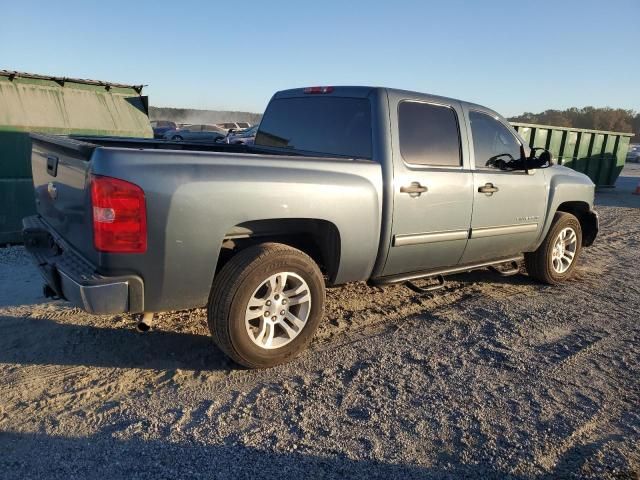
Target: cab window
490 138
429 134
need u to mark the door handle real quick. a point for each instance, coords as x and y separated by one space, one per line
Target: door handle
489 189
52 165
414 190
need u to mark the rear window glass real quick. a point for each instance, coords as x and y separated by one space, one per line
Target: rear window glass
429 134
331 125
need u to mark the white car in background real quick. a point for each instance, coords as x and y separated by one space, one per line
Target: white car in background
228 126
196 133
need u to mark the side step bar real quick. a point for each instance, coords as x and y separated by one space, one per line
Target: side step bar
440 273
429 288
513 269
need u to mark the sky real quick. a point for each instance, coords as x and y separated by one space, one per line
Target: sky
512 56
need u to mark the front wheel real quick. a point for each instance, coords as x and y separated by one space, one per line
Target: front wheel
266 304
555 260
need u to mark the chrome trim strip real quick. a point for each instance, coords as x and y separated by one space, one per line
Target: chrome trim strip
504 230
418 238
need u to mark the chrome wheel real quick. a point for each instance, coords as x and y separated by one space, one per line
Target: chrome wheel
564 250
278 310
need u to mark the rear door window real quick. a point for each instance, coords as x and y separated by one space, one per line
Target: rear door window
429 134
338 126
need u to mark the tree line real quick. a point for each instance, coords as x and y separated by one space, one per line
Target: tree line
607 118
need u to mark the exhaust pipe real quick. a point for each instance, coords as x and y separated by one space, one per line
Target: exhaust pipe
146 323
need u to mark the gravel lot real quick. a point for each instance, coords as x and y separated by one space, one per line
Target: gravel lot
492 377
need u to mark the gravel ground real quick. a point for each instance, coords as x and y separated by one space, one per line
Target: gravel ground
491 377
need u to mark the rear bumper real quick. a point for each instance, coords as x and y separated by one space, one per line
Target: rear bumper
75 279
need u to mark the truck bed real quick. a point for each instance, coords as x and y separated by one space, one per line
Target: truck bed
196 196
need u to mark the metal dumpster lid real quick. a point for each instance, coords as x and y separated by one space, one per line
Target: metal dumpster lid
62 80
571 129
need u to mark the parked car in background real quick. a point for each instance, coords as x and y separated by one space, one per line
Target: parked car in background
228 126
242 137
199 133
633 155
160 127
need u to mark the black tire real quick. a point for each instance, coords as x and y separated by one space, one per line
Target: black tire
176 138
539 263
234 286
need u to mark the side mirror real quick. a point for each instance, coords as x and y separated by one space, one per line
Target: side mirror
545 159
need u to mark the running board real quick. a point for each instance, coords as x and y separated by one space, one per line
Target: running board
407 277
428 289
513 269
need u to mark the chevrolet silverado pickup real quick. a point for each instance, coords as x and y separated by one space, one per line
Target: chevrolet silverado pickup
343 184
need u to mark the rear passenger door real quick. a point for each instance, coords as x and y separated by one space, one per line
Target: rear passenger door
509 206
432 185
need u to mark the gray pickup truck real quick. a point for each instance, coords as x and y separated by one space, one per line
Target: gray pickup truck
343 184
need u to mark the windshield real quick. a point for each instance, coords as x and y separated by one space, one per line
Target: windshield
330 125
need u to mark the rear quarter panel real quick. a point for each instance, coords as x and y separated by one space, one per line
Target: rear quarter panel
193 199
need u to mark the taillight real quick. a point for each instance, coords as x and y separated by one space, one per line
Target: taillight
318 90
119 216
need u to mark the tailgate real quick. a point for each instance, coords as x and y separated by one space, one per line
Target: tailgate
60 168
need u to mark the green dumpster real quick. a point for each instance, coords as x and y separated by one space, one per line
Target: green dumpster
57 105
598 154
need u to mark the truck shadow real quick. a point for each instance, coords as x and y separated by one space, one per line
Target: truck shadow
84 457
32 340
44 341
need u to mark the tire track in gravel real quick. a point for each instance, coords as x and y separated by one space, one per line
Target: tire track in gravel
582 434
323 351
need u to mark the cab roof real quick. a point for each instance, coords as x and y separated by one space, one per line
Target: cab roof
366 91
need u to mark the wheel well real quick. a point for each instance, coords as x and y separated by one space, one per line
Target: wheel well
319 239
587 218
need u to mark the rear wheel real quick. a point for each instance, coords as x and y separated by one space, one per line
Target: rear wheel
266 304
555 260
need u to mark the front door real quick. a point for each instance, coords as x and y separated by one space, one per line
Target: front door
508 206
433 187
